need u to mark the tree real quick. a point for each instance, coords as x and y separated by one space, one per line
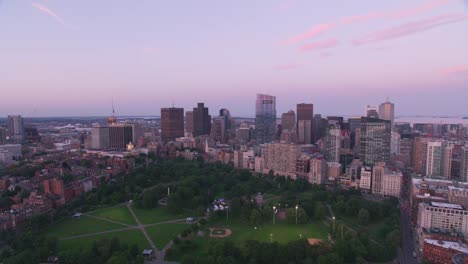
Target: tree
150 199
363 216
236 207
255 217
319 212
301 216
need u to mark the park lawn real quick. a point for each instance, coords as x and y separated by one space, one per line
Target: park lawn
119 214
129 237
83 225
281 232
156 215
162 234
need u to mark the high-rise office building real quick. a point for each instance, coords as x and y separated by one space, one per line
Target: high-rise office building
317 128
371 111
100 137
420 154
375 140
288 120
395 143
172 123
228 120
218 129
15 128
305 113
439 159
3 135
333 143
189 121
318 171
201 120
120 135
447 152
464 164
303 132
387 111
265 118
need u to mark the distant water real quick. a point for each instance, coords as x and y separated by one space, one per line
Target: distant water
432 120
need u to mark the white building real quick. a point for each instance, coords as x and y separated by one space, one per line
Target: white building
366 178
443 215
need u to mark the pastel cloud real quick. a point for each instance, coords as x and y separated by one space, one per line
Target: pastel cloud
287 67
49 12
326 54
311 33
418 9
455 70
410 28
320 45
360 18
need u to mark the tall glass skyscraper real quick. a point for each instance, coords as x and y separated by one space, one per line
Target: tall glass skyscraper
375 140
265 118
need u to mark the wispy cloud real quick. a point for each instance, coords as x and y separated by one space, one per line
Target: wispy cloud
455 70
320 45
410 12
284 5
410 28
360 18
284 67
49 12
313 32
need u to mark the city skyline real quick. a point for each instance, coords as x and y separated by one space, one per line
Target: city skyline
223 54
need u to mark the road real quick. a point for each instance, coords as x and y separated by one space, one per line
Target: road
405 253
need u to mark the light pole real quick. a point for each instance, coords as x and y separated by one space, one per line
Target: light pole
271 238
227 213
333 226
274 214
297 206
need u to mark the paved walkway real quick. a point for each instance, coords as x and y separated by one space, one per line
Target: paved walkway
143 229
108 220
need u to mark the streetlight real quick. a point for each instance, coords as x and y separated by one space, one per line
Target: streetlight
297 206
274 214
333 226
300 235
271 238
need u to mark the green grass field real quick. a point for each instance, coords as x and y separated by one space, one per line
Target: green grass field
281 232
162 234
119 214
84 225
129 237
150 216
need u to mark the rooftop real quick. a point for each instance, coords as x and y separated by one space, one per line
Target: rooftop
448 245
447 205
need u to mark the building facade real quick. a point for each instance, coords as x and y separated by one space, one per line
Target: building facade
387 111
305 116
172 123
288 120
16 129
375 140
265 118
201 120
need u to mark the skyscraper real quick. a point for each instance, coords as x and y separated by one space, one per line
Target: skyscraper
201 120
218 129
371 111
387 111
420 154
16 128
305 112
317 128
226 115
265 118
333 143
120 134
172 123
433 160
100 137
3 136
189 121
375 140
288 120
464 164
